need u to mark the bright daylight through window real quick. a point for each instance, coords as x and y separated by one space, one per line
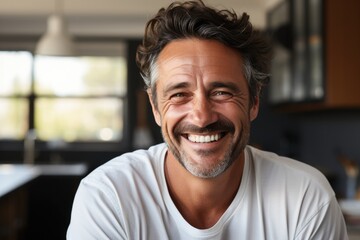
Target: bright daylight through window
69 98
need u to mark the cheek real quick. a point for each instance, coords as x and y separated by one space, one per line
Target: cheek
235 111
172 115
175 112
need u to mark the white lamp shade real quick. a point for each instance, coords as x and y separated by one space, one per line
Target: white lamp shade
56 41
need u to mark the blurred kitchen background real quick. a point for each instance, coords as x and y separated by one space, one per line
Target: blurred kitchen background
62 116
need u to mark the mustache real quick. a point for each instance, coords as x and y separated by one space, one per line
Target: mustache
222 125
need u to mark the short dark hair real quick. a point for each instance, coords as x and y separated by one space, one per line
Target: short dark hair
193 19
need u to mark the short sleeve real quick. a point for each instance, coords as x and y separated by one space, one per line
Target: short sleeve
96 213
328 223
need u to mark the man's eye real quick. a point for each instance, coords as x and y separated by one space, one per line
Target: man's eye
178 97
222 95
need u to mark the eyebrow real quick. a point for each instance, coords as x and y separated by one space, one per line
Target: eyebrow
213 85
222 84
172 87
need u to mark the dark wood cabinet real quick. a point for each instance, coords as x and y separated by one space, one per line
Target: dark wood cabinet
13 213
322 49
36 200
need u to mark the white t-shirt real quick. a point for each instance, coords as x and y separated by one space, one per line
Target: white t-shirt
279 198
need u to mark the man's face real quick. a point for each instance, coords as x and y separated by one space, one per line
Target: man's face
203 105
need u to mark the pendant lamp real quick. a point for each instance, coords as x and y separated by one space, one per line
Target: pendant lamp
56 41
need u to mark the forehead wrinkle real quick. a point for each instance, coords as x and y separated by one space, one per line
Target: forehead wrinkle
177 76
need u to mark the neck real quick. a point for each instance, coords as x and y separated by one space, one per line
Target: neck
202 201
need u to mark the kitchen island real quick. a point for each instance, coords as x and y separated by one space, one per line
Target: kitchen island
25 194
14 180
13 176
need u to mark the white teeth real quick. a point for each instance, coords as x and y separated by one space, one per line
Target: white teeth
203 139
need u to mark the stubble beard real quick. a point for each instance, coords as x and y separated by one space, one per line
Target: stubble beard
231 154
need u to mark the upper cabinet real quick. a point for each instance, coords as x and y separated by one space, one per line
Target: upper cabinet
316 54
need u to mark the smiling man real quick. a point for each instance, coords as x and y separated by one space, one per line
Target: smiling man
204 70
203 106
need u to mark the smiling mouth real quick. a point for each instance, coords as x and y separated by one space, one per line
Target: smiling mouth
205 138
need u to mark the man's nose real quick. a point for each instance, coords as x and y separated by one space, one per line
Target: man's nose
203 112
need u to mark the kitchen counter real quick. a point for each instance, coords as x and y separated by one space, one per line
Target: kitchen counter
36 199
62 169
13 176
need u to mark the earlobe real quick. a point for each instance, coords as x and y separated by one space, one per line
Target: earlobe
254 110
154 109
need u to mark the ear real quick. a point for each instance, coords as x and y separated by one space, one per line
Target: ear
254 109
154 108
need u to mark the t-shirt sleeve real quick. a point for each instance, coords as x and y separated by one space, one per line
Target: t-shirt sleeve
327 223
95 213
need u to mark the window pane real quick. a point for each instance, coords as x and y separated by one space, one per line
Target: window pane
80 76
13 118
79 119
15 73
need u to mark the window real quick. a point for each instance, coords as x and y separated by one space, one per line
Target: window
15 87
65 99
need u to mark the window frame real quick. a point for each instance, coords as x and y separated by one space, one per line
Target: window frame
26 43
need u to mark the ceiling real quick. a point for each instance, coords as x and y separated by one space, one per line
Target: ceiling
105 17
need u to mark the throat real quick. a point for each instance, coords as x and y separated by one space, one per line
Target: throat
202 220
201 202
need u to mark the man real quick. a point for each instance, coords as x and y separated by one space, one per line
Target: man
204 70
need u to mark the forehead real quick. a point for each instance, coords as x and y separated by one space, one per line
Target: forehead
211 50
195 58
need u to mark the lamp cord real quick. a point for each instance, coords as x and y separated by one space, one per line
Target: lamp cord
59 5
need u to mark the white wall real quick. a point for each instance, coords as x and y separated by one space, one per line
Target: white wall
105 17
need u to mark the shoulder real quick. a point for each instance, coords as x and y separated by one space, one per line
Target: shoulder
274 162
124 169
307 202
297 174
114 192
